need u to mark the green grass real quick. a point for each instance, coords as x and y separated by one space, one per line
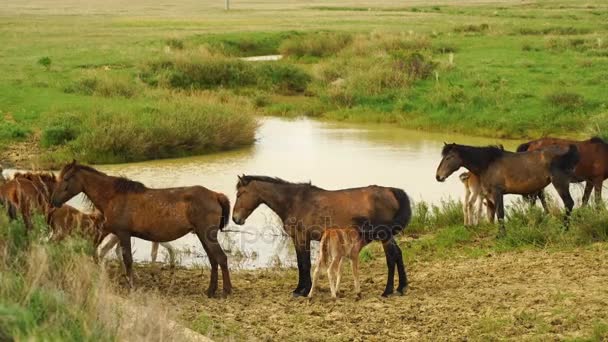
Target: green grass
509 70
439 231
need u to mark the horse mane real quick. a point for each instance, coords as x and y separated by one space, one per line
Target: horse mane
479 157
121 184
246 179
32 176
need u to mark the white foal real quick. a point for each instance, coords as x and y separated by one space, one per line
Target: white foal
112 240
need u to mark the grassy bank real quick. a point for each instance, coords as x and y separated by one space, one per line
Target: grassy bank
510 70
55 292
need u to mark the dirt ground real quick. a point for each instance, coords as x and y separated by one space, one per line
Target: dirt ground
526 295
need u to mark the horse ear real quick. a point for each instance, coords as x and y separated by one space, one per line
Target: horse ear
240 178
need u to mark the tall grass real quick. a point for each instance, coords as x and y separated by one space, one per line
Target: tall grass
55 292
185 125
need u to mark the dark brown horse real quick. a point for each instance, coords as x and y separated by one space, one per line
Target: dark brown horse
67 220
306 211
592 166
26 194
157 215
502 172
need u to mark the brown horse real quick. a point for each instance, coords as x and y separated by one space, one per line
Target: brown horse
27 193
306 211
502 172
158 215
67 220
592 166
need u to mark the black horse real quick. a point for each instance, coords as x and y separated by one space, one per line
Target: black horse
306 210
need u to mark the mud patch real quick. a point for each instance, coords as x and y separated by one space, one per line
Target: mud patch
529 295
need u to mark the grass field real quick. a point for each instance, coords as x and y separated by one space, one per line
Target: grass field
158 79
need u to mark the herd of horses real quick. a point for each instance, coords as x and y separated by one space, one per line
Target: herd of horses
343 220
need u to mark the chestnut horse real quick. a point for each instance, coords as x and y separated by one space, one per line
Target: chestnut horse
158 215
502 172
592 166
27 193
306 211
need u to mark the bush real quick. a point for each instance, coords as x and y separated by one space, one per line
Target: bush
316 44
430 217
13 131
180 127
45 62
58 135
283 78
105 85
175 43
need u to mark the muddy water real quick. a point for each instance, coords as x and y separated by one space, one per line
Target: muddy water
331 155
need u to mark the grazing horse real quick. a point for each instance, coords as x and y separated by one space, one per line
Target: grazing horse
67 220
306 211
472 198
592 166
27 193
159 215
502 172
336 245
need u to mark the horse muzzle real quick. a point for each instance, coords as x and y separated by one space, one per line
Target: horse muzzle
238 220
439 178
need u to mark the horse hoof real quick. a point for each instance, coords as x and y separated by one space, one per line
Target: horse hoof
210 294
402 291
385 294
227 292
297 294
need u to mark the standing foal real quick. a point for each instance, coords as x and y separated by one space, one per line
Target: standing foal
337 244
472 196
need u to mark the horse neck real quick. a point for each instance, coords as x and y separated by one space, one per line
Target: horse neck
98 188
276 197
476 165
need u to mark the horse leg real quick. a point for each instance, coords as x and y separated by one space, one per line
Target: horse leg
127 257
466 209
302 245
400 269
216 256
321 263
389 253
333 272
154 253
171 252
587 193
500 213
598 192
491 209
339 274
471 209
114 240
479 209
543 201
563 189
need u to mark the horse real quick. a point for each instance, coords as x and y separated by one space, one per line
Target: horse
306 211
502 172
113 240
67 220
336 245
158 215
472 198
27 193
591 168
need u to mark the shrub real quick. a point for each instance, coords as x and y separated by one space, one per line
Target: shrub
175 43
283 78
191 71
179 127
105 85
430 217
58 135
315 44
12 131
45 62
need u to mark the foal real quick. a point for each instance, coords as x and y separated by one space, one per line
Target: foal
337 244
472 196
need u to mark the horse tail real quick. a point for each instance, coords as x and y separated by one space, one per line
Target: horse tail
523 147
225 204
385 230
597 140
567 161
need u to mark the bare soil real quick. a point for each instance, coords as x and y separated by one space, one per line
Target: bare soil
527 295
